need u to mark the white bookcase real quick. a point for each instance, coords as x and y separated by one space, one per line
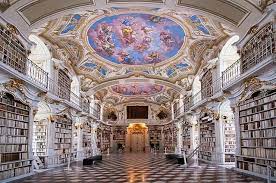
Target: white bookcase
14 130
257 120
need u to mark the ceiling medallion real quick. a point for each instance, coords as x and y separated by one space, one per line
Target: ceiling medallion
135 39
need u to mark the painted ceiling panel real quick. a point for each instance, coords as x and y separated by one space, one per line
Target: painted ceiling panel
42 8
226 9
137 89
135 38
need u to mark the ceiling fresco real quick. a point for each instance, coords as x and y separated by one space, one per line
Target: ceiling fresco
106 45
137 89
72 24
136 38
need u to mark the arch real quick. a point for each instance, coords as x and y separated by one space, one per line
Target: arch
229 53
75 85
43 112
196 87
40 53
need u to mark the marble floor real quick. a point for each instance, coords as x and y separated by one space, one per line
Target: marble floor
139 168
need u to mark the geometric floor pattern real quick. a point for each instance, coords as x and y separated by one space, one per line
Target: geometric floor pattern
132 168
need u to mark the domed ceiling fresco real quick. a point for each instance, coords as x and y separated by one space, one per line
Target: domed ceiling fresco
137 89
136 38
161 47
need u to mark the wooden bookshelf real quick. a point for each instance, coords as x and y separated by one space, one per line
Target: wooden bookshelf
261 45
63 137
169 131
104 138
119 138
155 137
257 120
207 138
12 51
86 143
64 83
14 130
229 141
206 83
186 134
40 138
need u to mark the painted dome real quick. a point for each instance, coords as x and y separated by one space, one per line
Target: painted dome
135 38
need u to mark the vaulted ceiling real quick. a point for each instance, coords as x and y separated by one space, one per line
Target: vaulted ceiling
135 50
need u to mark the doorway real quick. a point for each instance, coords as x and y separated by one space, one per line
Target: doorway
137 137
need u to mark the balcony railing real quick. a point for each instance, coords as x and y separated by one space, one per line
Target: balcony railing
33 72
40 77
201 96
231 73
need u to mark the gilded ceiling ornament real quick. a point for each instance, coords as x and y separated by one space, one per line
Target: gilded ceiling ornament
251 85
14 84
12 29
264 3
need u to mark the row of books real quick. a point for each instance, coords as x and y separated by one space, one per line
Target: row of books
266 162
230 141
259 152
16 124
258 108
64 130
63 135
259 124
41 146
254 168
229 149
63 140
40 130
17 164
266 133
13 110
15 172
13 147
17 117
8 157
259 142
13 140
7 101
62 146
258 116
13 132
208 147
257 101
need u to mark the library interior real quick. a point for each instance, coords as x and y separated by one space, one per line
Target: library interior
138 91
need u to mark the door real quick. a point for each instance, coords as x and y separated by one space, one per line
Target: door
137 142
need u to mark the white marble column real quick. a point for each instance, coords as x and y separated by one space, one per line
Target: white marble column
219 133
179 136
79 130
172 110
94 148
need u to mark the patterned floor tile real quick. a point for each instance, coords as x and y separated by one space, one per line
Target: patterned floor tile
136 168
